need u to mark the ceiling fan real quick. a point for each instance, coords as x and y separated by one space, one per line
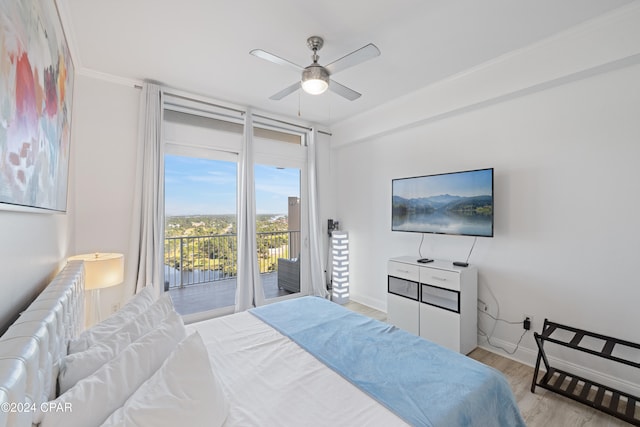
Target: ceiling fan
316 78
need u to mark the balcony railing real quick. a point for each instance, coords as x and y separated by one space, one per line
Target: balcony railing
192 260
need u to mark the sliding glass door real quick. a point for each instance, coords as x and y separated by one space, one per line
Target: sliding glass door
200 232
280 181
202 170
201 193
278 229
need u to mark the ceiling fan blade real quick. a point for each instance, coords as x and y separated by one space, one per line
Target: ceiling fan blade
354 58
286 91
275 59
343 91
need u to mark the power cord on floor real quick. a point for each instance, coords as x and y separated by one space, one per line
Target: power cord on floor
488 336
483 333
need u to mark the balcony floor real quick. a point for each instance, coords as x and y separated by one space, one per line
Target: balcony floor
222 293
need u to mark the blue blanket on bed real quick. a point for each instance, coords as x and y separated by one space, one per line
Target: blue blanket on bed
422 382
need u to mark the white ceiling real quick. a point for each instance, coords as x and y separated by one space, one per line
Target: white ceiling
202 46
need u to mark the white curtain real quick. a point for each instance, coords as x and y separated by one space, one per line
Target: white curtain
316 265
147 228
248 292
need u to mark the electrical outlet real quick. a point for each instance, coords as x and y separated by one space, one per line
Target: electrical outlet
482 305
115 307
524 321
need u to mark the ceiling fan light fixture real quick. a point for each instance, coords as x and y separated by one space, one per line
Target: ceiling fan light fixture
315 79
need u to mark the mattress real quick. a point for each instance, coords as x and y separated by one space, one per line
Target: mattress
272 381
308 361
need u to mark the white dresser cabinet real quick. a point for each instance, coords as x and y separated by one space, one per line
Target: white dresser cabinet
442 309
403 306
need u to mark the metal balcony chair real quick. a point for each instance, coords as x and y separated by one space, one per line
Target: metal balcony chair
289 274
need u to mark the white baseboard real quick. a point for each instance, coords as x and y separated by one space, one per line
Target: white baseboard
369 302
528 357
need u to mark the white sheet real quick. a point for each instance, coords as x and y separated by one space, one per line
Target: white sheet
271 381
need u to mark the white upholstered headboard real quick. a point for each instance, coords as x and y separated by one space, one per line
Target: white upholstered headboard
32 348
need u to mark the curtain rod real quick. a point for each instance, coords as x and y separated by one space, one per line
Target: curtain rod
186 98
286 123
280 121
202 112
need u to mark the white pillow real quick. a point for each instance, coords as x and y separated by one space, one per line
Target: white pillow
78 365
149 319
136 305
184 391
95 397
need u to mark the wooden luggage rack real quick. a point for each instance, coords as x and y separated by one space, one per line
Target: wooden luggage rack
607 399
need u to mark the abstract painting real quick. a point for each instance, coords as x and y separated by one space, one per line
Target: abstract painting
36 85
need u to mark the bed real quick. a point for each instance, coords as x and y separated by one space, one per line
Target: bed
305 361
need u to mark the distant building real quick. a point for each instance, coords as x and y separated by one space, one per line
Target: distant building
294 225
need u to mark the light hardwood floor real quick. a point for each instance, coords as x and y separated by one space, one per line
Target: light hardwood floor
539 409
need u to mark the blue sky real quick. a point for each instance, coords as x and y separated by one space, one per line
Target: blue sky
475 183
208 187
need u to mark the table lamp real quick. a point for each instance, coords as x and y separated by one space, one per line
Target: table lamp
102 270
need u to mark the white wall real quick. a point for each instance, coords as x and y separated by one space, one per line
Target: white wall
105 130
564 143
326 192
33 247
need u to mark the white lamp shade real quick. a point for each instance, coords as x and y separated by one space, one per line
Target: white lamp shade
102 270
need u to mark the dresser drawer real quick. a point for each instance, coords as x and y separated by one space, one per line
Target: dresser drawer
403 271
441 278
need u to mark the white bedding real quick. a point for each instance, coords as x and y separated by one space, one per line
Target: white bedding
271 381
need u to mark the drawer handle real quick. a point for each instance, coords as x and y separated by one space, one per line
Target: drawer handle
403 271
442 279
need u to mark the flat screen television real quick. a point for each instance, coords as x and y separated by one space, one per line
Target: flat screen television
459 203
